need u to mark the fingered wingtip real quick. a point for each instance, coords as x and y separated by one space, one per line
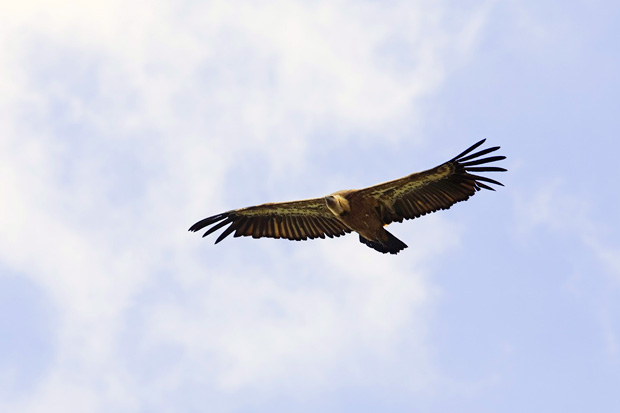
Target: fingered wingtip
207 221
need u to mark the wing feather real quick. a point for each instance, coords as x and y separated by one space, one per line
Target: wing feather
304 227
273 228
257 228
437 188
327 229
331 225
242 225
297 229
297 220
312 227
483 160
290 229
281 223
477 154
287 229
486 169
225 233
218 226
471 148
321 226
300 228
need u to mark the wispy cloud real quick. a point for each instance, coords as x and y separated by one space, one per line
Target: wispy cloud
570 218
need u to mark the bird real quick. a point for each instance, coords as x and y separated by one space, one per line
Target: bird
366 211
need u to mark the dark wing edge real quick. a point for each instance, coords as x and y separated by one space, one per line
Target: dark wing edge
466 164
440 187
297 220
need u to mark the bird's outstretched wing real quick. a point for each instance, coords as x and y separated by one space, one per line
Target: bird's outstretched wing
437 188
296 220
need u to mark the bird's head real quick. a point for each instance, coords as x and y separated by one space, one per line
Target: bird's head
337 204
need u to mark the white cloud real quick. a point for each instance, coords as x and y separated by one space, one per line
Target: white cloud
123 121
269 335
608 255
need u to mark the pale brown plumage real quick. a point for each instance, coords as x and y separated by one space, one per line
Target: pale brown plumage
365 211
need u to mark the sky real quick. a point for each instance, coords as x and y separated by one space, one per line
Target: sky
123 123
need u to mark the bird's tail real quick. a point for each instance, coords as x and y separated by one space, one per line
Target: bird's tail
393 245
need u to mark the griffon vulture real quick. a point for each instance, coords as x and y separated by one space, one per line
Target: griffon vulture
366 211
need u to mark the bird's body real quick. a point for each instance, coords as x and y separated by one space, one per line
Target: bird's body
364 220
362 215
366 211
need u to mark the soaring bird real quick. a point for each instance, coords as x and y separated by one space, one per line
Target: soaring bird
366 211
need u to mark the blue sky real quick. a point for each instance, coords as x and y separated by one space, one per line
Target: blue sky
124 123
